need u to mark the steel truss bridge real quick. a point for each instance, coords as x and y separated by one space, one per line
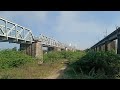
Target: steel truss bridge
15 33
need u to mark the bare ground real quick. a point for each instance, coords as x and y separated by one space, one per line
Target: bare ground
55 74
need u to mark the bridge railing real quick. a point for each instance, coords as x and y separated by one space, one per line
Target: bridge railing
9 29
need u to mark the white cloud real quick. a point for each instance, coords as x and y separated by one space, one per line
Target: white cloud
27 17
38 15
74 22
69 27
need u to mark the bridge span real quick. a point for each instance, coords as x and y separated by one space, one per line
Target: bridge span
110 42
30 44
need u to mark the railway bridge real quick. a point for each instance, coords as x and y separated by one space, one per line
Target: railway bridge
30 44
110 42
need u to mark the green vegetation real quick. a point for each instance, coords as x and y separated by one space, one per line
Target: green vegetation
82 65
11 58
69 55
52 56
95 65
72 56
30 70
16 65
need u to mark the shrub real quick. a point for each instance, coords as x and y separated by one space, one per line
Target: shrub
52 56
107 62
10 58
69 55
72 56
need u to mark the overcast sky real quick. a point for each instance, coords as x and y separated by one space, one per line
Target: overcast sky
81 28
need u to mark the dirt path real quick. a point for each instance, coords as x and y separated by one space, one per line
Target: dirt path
57 73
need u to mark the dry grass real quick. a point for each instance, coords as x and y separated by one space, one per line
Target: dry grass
31 71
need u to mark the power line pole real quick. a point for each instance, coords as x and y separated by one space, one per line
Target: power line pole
98 38
105 33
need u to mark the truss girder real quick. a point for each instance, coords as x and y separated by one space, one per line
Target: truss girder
10 29
15 33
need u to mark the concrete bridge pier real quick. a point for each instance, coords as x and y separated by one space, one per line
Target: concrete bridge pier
111 45
62 49
106 45
102 48
118 44
99 48
95 48
66 49
54 49
34 49
50 49
57 49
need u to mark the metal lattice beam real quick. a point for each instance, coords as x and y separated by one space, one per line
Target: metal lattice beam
13 32
9 30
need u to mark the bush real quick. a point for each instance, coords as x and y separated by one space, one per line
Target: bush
10 58
72 56
52 56
69 55
108 62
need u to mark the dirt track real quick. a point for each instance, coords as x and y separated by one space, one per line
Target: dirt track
57 73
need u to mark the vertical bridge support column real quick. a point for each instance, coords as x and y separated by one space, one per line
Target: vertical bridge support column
106 45
57 49
95 48
34 49
37 50
99 48
111 45
50 49
66 49
118 44
102 47
54 49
